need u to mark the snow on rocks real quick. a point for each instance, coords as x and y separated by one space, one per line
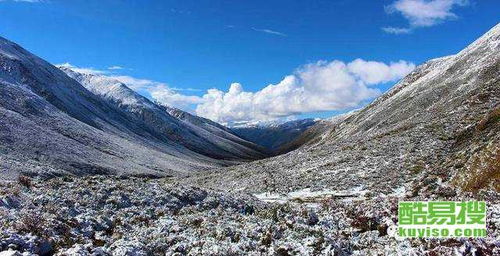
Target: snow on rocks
137 216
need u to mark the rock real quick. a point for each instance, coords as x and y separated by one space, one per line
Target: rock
76 250
281 251
382 229
10 202
160 223
45 248
312 218
128 248
10 253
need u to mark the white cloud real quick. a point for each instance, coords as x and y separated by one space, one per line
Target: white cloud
397 31
423 13
321 86
269 31
165 95
373 72
115 68
188 89
136 83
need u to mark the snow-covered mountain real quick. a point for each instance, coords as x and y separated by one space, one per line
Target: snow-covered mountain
313 133
273 135
434 136
51 124
170 124
435 129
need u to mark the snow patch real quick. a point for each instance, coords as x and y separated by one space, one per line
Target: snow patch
312 198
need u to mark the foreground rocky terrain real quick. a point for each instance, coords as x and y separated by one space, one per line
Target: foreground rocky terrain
132 216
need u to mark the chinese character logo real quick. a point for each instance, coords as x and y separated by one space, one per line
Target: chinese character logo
442 219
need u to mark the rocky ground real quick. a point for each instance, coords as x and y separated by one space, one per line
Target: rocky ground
136 216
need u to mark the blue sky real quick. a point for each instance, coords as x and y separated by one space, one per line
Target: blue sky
187 47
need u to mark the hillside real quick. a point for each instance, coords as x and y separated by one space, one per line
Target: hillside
169 124
51 125
274 135
313 133
437 127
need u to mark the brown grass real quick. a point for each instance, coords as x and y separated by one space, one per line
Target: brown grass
25 181
489 120
482 172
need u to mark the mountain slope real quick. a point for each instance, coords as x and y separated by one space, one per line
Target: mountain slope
436 127
313 133
273 136
51 125
169 124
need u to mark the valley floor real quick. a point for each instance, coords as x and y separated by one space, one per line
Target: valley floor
102 215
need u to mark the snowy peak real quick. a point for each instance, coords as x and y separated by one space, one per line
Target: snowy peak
489 41
51 125
107 87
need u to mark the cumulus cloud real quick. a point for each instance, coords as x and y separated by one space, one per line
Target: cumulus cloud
136 83
373 72
320 86
188 89
168 96
422 13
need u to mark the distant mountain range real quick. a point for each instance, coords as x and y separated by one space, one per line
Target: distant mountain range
274 135
56 121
